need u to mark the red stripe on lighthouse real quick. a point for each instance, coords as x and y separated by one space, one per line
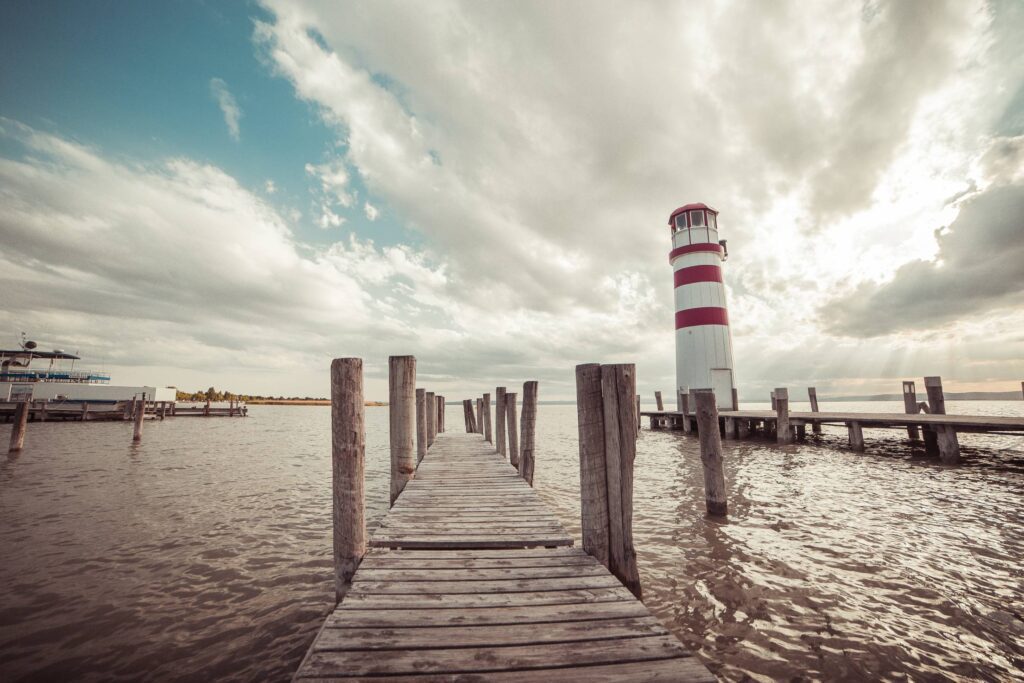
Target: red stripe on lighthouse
692 248
708 315
688 276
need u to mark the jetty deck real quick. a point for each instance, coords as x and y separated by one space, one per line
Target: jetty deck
470 577
962 423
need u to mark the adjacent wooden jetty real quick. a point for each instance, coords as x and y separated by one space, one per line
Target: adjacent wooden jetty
470 577
927 420
84 411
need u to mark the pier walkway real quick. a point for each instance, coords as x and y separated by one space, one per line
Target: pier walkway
470 577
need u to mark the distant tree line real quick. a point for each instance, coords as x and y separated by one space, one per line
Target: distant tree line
213 394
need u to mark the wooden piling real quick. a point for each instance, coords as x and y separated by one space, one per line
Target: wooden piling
42 411
910 408
479 416
85 412
856 435
730 427
783 430
593 477
21 412
140 415
711 453
206 409
439 401
430 415
512 428
488 433
685 399
421 425
618 386
401 411
348 453
499 421
467 415
946 442
658 401
812 394
527 459
638 411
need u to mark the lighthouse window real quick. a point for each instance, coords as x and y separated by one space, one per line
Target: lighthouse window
681 221
697 218
712 223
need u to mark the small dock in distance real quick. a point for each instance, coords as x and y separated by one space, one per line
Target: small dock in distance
471 577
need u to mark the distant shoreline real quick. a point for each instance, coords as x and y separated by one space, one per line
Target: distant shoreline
302 402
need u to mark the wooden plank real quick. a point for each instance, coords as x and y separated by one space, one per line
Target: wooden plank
418 637
371 587
381 618
462 573
433 600
485 659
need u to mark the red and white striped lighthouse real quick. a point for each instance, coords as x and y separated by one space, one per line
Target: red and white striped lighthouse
703 341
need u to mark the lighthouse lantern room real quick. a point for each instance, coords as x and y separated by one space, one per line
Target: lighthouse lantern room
703 341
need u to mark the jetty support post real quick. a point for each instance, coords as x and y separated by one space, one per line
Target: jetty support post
499 421
910 408
711 453
20 424
206 409
348 458
401 412
85 412
783 430
140 415
856 435
812 394
527 459
513 428
488 432
467 416
480 416
945 435
730 427
608 425
429 414
421 425
638 411
439 400
42 410
658 401
684 398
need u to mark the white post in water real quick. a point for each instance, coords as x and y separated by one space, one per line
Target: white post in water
401 411
348 452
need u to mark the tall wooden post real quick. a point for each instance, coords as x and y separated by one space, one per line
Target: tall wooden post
783 432
440 412
140 414
499 421
513 428
467 415
488 434
529 427
812 394
685 399
421 425
618 387
856 435
593 477
18 430
430 415
348 453
638 411
479 416
658 401
401 411
945 435
711 453
910 408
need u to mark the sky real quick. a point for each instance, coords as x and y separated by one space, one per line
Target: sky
233 194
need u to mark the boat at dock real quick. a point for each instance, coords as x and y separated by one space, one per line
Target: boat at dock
32 374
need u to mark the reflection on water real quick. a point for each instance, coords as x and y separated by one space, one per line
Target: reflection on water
204 551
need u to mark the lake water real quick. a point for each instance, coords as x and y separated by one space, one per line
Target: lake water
205 551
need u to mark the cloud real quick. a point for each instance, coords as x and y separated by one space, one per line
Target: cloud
228 106
372 212
978 268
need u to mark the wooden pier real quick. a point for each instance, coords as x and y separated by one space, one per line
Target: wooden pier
471 577
84 411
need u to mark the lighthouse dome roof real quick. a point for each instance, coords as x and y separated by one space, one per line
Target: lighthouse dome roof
688 207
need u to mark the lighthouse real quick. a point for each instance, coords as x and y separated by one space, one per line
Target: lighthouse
703 341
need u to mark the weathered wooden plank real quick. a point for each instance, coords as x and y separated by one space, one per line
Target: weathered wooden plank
478 587
484 659
443 564
432 600
399 638
463 573
466 542
352 617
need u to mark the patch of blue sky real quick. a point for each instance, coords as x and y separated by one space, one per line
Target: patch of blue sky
133 81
